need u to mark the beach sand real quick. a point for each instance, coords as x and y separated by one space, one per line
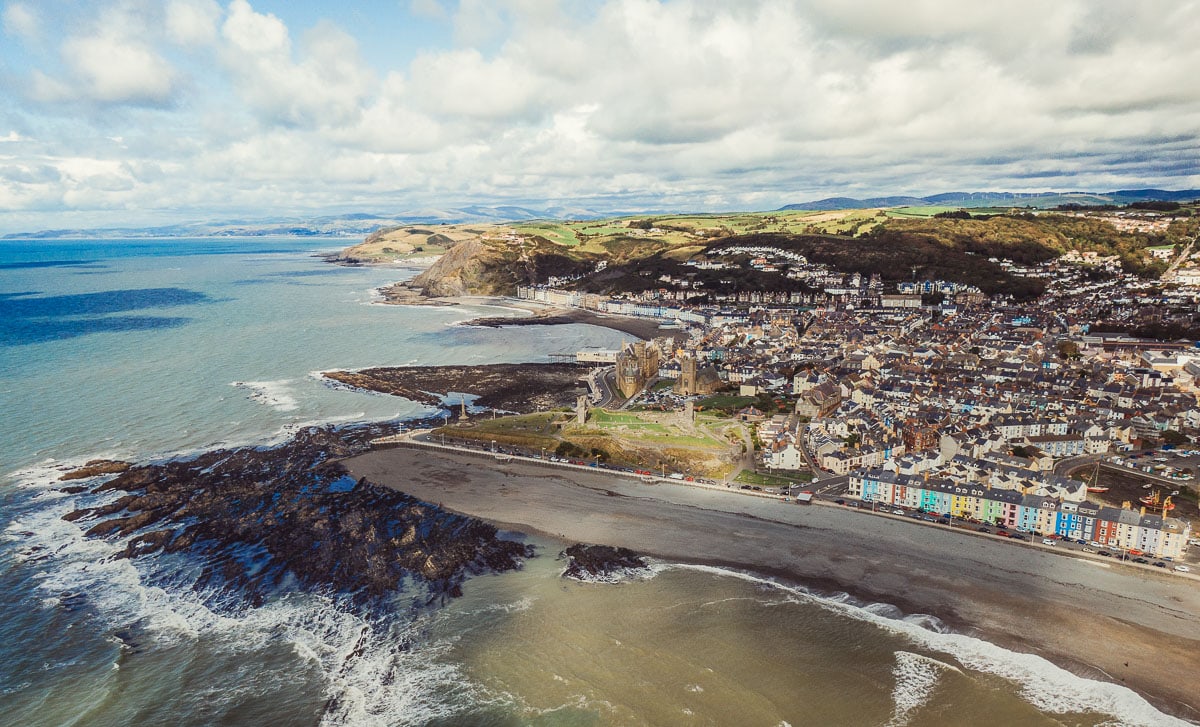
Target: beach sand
1099 620
643 328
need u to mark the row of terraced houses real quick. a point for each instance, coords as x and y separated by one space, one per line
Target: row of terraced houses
1109 526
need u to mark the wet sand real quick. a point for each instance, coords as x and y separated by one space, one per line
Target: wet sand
1099 620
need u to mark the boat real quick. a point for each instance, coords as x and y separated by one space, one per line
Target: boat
1097 489
1153 501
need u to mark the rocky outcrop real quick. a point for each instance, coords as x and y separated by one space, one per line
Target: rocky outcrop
95 467
521 388
259 518
601 562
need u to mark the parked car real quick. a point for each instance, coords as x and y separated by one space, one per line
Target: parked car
1159 564
1106 554
897 512
1088 550
840 502
1143 561
983 530
1183 568
1048 541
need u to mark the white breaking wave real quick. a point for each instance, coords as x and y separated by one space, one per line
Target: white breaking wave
375 673
916 679
275 394
1047 687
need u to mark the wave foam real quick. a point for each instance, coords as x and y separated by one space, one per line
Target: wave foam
1047 687
275 394
375 671
916 678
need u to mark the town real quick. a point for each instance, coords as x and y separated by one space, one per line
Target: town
929 398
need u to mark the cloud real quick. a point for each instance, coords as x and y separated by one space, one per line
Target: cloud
114 69
614 103
325 84
427 9
20 20
192 22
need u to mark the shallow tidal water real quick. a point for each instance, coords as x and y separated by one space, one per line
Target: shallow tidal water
146 349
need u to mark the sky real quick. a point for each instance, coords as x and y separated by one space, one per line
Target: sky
139 112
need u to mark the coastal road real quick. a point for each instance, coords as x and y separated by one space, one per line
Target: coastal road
1101 619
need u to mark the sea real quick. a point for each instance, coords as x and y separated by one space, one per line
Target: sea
147 350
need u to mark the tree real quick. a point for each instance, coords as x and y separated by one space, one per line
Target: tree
1175 437
1068 350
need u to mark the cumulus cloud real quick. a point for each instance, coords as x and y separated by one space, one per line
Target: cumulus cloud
623 103
325 84
192 22
114 69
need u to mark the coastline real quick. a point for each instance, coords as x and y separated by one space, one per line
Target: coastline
542 314
1098 621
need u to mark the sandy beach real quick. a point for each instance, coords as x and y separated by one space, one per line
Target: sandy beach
539 313
1099 620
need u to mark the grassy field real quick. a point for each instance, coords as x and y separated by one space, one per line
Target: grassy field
919 211
630 426
725 402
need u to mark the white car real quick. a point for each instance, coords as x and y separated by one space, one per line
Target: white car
1183 569
1048 541
897 512
1088 550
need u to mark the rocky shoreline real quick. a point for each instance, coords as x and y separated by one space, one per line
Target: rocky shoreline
261 519
521 388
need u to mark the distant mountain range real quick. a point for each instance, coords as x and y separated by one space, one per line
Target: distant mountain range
356 224
1038 200
360 224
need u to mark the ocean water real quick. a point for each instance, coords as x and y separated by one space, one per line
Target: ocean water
150 349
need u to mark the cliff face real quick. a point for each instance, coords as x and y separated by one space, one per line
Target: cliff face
483 266
464 269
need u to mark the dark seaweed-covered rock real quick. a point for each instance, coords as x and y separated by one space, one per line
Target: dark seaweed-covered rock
600 562
262 517
96 467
